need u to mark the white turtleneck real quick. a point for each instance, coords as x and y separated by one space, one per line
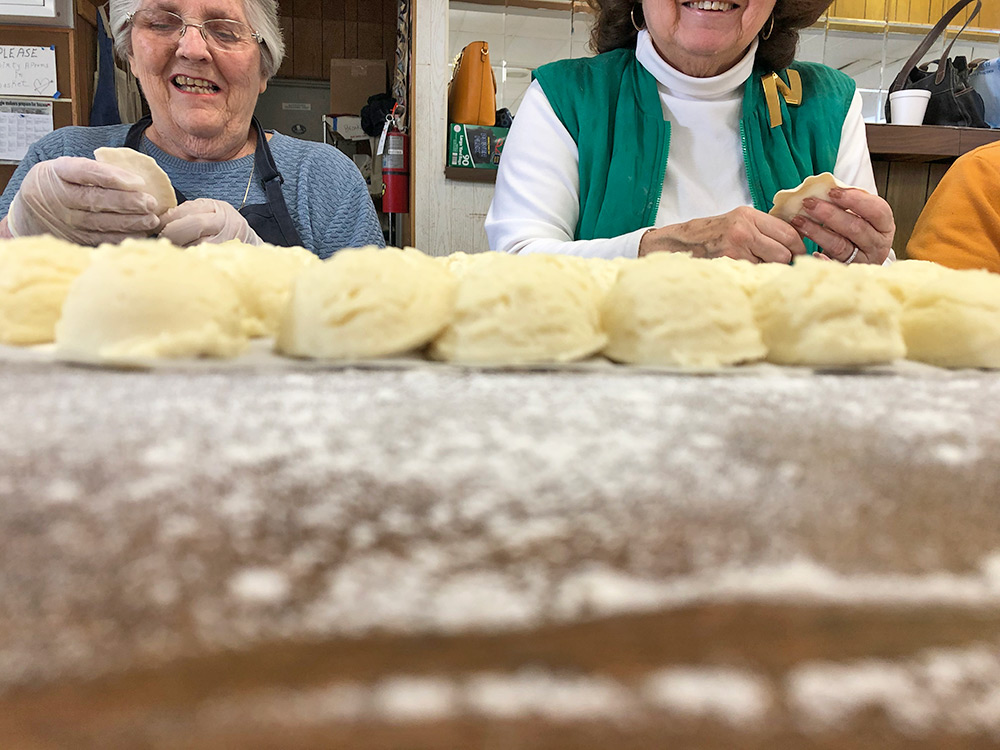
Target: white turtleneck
536 204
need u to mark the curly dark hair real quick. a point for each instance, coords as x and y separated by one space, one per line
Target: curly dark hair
613 27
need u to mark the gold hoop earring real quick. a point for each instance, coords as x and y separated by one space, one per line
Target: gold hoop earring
632 16
770 28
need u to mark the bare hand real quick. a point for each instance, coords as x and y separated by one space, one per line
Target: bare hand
744 233
850 218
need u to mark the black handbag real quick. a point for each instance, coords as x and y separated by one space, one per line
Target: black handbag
953 100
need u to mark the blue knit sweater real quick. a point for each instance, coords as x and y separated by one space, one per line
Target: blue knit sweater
325 193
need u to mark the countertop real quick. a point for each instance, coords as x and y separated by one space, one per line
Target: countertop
435 558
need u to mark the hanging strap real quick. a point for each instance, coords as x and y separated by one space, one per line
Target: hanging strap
928 42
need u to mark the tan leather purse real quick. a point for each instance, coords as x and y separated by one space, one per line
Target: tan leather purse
472 93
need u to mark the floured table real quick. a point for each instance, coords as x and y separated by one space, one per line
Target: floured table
432 558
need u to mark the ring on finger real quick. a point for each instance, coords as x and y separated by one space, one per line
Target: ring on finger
851 259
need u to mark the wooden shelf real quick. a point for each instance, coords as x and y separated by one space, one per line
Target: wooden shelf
470 174
925 143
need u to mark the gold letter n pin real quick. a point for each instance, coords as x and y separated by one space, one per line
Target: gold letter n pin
792 94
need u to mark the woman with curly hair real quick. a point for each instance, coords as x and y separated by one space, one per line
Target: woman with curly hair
677 135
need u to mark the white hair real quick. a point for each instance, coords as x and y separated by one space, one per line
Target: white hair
262 16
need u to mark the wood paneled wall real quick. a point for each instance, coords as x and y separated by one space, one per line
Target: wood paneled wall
906 186
318 30
913 11
76 60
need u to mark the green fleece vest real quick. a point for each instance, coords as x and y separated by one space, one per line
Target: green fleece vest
611 107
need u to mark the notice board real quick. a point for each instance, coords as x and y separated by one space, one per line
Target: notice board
28 70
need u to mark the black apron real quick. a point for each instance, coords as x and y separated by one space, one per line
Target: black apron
271 221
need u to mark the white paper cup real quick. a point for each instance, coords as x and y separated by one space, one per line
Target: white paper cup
909 105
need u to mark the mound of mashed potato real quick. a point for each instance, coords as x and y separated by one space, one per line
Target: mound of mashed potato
952 319
145 300
35 276
367 302
673 310
516 310
263 276
826 314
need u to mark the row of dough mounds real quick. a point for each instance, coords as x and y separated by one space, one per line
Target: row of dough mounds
146 300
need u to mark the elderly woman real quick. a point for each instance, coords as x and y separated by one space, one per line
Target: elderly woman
201 66
679 133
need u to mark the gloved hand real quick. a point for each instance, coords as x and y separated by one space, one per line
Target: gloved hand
206 220
82 201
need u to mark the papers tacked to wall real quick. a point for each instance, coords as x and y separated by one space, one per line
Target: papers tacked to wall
22 123
27 71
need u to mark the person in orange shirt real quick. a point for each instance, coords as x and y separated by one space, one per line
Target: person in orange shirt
960 225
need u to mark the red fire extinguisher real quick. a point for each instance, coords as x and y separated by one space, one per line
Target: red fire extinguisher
396 172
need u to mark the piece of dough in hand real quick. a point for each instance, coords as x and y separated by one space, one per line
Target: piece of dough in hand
35 275
157 184
679 311
145 300
826 314
367 302
788 203
519 310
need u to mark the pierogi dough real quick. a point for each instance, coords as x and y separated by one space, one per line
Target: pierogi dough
952 319
263 276
788 203
367 302
824 313
35 275
516 310
674 310
157 182
146 299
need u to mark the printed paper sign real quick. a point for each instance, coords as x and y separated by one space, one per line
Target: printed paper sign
22 123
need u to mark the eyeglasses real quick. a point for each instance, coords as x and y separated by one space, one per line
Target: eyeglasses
220 33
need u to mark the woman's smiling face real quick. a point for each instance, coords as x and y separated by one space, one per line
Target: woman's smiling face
201 98
704 37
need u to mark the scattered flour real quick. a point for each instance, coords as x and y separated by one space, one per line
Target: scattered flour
62 490
731 696
953 690
260 586
404 699
991 570
956 455
561 699
605 591
957 690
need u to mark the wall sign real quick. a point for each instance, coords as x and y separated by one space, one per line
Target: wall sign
27 71
22 122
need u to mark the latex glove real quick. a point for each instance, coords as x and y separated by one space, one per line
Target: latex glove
852 226
206 220
743 233
82 201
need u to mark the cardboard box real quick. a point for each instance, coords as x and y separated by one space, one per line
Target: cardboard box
352 82
348 127
476 146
